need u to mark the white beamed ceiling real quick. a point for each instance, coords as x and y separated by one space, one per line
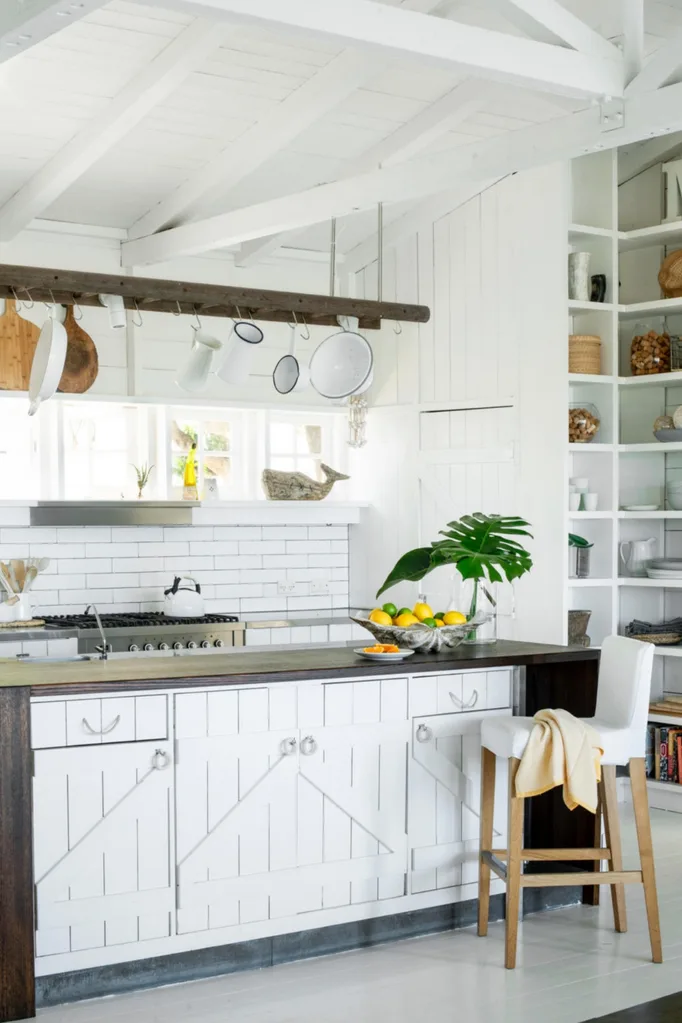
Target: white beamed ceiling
58 87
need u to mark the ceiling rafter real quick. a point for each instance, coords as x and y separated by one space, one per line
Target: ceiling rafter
401 34
406 141
337 80
560 139
548 21
25 23
148 88
660 66
633 37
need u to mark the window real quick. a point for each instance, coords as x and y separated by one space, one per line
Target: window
214 432
298 442
19 460
102 442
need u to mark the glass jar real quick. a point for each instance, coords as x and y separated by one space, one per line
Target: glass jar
584 421
649 351
478 596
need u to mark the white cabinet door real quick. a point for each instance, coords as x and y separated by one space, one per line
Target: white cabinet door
102 845
445 777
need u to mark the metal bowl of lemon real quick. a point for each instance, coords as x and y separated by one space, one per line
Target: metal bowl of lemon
419 628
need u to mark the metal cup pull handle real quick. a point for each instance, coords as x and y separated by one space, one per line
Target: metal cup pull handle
161 760
473 700
424 733
308 746
287 747
87 727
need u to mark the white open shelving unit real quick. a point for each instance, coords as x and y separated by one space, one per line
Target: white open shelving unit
626 465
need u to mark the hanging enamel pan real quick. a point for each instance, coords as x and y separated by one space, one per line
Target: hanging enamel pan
289 375
48 360
343 363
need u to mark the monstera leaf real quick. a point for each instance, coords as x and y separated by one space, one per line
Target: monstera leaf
477 545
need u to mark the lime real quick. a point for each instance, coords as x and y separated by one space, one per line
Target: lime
390 609
405 611
439 614
431 622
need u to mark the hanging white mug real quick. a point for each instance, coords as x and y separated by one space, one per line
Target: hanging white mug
194 374
241 348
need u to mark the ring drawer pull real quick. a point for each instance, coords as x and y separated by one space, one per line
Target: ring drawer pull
424 734
308 746
160 760
288 747
465 706
103 731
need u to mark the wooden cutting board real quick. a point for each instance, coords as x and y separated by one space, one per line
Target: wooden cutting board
18 339
82 365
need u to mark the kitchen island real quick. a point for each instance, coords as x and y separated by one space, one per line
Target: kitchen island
199 814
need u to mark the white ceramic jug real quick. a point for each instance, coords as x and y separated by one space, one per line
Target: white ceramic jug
636 555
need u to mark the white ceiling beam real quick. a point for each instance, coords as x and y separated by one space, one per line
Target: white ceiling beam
560 139
548 21
148 88
399 34
660 66
633 37
337 80
24 23
439 117
636 159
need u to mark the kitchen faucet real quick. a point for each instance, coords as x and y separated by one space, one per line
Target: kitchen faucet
102 650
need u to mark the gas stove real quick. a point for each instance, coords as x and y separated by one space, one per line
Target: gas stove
150 631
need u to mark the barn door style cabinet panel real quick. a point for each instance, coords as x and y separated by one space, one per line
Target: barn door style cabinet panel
172 822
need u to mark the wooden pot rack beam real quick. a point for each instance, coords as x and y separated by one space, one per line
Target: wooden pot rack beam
148 294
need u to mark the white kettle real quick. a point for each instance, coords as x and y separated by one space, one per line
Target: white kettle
639 555
184 601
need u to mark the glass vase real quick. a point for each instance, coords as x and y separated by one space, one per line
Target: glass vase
478 596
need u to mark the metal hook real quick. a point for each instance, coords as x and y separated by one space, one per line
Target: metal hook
306 336
54 303
23 302
137 310
397 327
196 317
179 312
76 306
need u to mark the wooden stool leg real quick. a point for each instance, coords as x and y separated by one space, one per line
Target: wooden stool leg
640 802
609 799
488 761
514 865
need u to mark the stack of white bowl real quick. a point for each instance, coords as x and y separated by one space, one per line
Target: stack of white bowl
673 492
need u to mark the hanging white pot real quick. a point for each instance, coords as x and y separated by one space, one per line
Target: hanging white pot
343 363
194 374
241 349
48 360
289 375
117 311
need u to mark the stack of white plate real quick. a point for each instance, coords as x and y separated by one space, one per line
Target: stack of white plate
665 568
673 492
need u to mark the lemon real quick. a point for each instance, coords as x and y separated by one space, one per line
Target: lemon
422 611
405 620
390 609
454 618
431 622
440 623
380 617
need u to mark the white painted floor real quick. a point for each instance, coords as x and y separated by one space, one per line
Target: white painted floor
572 967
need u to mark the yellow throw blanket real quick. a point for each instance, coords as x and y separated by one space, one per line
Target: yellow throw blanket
562 750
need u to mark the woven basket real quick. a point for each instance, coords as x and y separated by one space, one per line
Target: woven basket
584 353
670 275
658 638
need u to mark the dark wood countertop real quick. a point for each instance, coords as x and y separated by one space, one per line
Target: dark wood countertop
262 666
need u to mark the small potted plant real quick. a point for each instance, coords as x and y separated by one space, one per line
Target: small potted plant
482 549
142 474
579 555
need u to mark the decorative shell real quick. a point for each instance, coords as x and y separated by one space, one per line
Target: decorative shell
664 423
423 637
677 417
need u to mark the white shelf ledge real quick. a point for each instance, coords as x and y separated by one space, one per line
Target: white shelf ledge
661 307
591 378
668 651
576 232
590 307
586 515
644 237
591 583
653 380
661 584
650 515
664 795
594 448
650 447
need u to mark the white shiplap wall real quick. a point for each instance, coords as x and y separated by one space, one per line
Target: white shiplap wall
493 273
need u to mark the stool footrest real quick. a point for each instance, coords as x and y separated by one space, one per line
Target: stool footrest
491 860
581 878
557 854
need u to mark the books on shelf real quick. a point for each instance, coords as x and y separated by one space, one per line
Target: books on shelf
664 753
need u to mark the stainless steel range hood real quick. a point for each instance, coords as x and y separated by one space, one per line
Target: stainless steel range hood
113 513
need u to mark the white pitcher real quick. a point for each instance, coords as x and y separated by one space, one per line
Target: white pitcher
638 555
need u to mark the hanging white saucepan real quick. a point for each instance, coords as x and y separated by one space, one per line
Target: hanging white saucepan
244 338
48 359
289 375
343 363
194 374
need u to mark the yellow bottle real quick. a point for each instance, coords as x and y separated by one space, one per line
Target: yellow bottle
189 479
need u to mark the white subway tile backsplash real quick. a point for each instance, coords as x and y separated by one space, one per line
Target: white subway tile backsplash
57 550
340 633
86 596
308 546
48 599
240 590
10 648
213 548
110 550
319 633
67 566
278 604
222 576
327 532
258 637
152 579
339 547
15 516
14 550
261 547
188 564
137 534
64 582
173 549
285 532
84 534
33 647
284 560
34 534
138 564
307 603
327 560
171 533
300 634
141 595
114 580
307 575
260 575
237 532
339 573
240 561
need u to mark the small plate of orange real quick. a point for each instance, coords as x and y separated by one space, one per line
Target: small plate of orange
384 652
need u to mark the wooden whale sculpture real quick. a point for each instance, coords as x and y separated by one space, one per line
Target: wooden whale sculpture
296 486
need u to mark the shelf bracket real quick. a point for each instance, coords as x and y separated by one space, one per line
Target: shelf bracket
611 114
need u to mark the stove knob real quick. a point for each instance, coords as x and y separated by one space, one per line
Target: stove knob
133 648
191 645
147 646
163 646
205 644
219 643
177 645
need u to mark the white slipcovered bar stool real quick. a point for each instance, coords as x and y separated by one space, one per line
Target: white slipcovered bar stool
621 719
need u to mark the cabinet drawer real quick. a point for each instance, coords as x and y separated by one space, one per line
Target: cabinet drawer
92 722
